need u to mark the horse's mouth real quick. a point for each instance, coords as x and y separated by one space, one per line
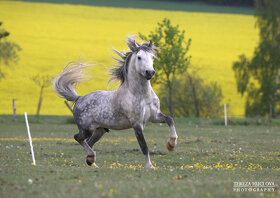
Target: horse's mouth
149 74
149 77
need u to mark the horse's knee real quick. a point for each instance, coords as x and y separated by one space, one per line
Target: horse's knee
170 120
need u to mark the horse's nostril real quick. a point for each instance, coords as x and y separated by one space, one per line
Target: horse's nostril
150 72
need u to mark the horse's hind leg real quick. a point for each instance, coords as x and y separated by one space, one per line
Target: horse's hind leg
81 138
96 136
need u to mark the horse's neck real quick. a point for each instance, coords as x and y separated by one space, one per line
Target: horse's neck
139 86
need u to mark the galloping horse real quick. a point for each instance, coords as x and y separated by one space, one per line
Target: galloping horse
131 105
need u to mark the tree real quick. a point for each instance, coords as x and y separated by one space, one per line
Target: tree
224 2
194 97
8 50
258 78
43 81
172 58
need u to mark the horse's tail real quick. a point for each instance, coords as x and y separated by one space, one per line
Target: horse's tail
64 83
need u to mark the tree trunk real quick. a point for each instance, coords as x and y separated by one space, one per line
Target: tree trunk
170 102
274 105
196 101
40 103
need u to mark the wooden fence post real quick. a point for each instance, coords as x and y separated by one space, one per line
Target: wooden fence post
14 110
225 112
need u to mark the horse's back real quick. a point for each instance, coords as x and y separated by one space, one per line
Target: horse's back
91 101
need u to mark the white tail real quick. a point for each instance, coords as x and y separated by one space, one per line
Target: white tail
64 83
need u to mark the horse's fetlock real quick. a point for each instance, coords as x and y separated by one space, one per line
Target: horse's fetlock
174 137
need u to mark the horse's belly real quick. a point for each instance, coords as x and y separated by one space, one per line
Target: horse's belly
110 119
119 123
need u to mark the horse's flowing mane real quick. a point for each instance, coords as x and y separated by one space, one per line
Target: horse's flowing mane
119 71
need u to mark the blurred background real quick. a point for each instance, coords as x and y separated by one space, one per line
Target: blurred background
222 52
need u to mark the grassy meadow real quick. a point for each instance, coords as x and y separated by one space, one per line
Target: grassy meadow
208 159
53 34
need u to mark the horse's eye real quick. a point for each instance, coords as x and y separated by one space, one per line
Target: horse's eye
139 57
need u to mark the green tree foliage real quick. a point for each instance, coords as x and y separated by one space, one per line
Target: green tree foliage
194 97
172 58
258 78
225 2
8 50
43 81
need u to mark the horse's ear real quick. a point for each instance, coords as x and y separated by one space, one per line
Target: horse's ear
136 44
132 44
150 45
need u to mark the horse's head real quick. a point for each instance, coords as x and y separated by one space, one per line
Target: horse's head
139 60
142 59
144 64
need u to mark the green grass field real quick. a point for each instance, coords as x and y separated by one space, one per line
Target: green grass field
52 34
208 159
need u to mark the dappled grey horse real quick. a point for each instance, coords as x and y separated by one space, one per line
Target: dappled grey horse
132 105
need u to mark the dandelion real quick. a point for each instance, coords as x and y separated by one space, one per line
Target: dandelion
110 194
177 177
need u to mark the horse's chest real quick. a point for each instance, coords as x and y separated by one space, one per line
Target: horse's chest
141 109
150 108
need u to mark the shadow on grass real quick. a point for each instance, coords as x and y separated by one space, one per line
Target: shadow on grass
155 5
55 119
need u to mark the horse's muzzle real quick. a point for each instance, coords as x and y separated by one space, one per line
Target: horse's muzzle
149 74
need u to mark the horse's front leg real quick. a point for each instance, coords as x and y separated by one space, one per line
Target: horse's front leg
142 142
161 118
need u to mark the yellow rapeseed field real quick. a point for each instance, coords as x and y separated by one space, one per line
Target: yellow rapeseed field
51 35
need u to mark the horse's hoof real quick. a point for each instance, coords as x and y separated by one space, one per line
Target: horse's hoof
170 147
89 163
94 165
90 160
150 167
